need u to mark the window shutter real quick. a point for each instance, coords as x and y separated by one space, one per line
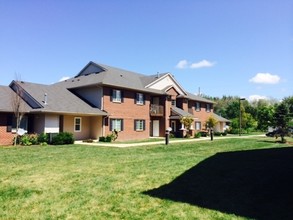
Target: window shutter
143 128
121 124
122 96
143 98
9 123
134 125
135 98
111 95
111 124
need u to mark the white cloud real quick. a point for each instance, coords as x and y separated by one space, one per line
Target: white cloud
182 64
256 97
265 78
201 64
64 78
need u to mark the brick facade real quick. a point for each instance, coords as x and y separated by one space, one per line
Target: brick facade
6 137
129 111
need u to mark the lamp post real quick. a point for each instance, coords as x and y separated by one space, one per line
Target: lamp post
240 99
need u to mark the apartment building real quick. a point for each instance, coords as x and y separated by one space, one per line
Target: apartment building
101 99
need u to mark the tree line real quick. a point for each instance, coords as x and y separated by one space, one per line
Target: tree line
257 115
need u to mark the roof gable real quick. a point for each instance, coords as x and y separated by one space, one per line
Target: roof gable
165 82
90 68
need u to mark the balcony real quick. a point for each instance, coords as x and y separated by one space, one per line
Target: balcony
156 110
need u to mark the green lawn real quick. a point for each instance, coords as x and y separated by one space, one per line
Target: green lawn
196 180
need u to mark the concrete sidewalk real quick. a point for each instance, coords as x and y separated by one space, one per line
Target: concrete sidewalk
171 141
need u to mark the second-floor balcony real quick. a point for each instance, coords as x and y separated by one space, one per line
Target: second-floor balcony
156 110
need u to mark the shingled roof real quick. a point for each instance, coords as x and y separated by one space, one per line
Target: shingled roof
105 75
56 98
6 96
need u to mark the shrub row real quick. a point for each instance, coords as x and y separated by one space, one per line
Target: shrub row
43 139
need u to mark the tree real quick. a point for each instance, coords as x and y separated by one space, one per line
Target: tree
18 107
281 119
265 117
211 122
187 122
289 102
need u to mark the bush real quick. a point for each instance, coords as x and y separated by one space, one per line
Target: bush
108 138
43 138
171 135
203 133
63 138
102 139
25 140
224 133
197 135
217 133
28 139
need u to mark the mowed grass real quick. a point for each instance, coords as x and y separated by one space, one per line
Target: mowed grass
89 182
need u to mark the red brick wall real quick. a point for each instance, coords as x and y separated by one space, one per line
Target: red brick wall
203 115
129 111
6 138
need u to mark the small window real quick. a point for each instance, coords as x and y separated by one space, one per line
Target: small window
197 106
197 125
139 98
208 109
77 124
139 125
173 102
116 124
116 96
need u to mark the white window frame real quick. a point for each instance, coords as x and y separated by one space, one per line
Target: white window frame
208 107
197 106
139 98
198 125
116 96
77 124
139 125
116 124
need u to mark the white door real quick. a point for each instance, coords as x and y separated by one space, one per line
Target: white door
156 128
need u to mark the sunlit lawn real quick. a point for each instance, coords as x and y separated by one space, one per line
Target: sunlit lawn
90 182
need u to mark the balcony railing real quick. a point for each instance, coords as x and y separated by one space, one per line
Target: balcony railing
156 110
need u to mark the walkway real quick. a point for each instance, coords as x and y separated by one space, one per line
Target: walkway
171 141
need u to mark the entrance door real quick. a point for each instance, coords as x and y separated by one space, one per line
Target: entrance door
156 128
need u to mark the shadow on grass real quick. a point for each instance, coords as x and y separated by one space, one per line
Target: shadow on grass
255 184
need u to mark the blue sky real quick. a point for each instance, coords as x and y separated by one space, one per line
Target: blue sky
223 47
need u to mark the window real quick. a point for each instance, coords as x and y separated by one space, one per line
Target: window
197 106
77 124
139 125
197 125
139 98
11 122
208 109
173 102
116 124
116 95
